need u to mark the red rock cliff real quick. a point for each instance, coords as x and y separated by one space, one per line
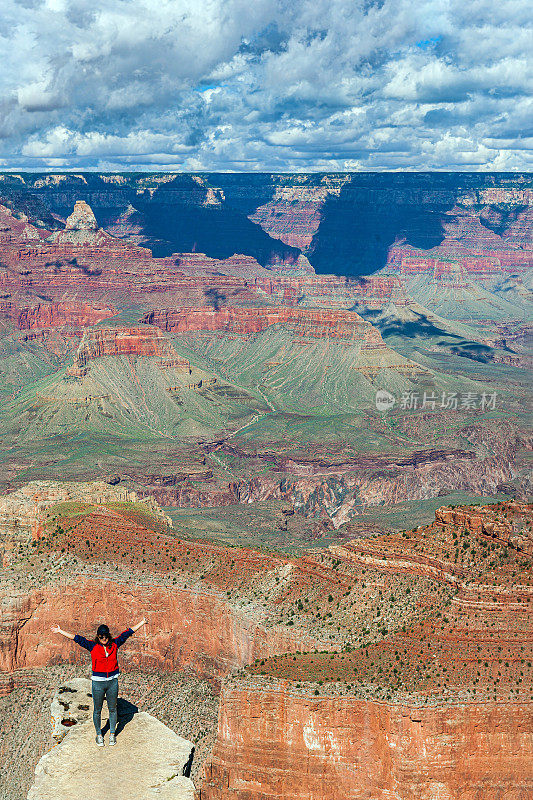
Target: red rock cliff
53 315
273 744
128 342
303 321
187 629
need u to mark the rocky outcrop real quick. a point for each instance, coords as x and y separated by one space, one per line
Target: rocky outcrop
311 322
480 581
439 710
16 228
142 342
274 743
334 701
51 315
293 215
507 523
23 512
155 759
81 227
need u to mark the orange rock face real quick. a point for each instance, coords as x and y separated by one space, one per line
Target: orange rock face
187 629
439 711
55 314
304 321
127 342
273 744
492 521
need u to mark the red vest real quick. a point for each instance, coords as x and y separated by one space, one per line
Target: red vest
103 663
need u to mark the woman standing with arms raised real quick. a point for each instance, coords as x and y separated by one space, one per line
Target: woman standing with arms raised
103 650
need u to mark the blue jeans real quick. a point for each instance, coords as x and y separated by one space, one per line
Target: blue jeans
109 690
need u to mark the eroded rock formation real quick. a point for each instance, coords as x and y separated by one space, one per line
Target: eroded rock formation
438 710
397 666
23 512
293 215
189 629
507 523
303 321
143 342
51 315
274 743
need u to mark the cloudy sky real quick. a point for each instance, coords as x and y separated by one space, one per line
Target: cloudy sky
281 85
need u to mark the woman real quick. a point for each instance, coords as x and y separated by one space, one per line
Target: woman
103 652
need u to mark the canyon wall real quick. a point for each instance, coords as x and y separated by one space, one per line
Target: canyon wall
487 522
141 342
276 743
341 490
304 321
294 212
344 222
51 315
344 490
188 629
40 267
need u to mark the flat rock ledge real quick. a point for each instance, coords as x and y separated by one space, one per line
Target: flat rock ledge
148 762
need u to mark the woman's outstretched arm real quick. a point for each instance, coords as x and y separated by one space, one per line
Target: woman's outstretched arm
129 632
57 629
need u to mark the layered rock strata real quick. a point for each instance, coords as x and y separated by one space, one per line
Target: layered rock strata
338 697
274 743
294 213
508 524
441 709
108 271
141 342
304 322
52 315
23 512
189 629
342 488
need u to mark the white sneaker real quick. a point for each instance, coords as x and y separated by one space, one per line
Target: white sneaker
112 739
100 740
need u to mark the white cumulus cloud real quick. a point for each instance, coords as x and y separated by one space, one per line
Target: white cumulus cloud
274 84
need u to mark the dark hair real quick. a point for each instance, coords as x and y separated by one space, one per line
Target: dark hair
103 630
